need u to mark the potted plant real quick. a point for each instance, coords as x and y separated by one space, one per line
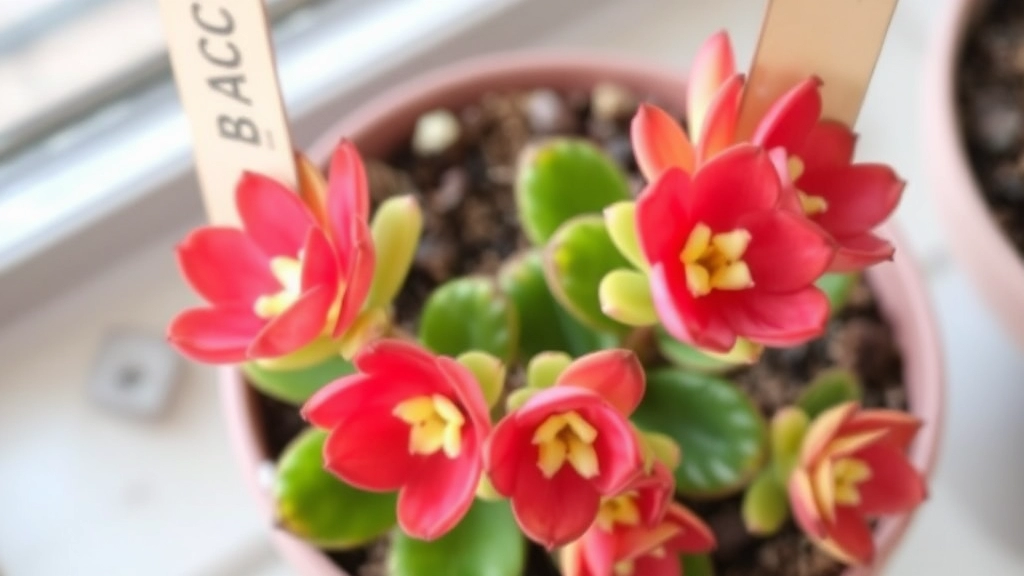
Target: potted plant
973 121
530 323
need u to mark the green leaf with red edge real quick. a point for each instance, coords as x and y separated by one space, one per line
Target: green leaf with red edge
296 386
577 258
470 314
487 542
561 178
722 433
316 506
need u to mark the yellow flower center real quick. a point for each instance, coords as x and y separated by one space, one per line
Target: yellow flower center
566 437
288 272
715 261
435 424
811 205
848 473
618 510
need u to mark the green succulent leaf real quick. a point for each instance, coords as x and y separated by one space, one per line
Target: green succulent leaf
620 218
578 257
518 397
296 386
829 389
698 565
470 314
545 368
625 295
788 428
562 178
837 287
396 230
486 543
318 507
489 372
543 325
686 356
765 505
722 433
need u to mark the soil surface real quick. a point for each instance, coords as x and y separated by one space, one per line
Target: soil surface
990 91
465 183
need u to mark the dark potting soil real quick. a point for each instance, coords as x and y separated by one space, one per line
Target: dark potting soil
990 94
465 184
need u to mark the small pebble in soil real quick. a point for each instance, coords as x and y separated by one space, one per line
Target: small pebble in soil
610 102
436 132
548 113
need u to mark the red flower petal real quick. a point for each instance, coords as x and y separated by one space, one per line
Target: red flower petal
894 486
667 565
659 142
681 315
400 361
358 276
440 492
777 237
615 375
856 253
901 427
791 118
719 129
272 214
295 327
828 144
694 536
597 548
778 319
556 511
712 66
334 404
804 504
225 266
319 262
505 455
214 335
823 430
736 182
662 219
348 198
371 451
859 197
618 452
851 536
469 396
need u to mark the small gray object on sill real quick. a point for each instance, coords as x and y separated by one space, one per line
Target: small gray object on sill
134 374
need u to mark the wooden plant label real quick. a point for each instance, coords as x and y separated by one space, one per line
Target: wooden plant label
224 66
837 40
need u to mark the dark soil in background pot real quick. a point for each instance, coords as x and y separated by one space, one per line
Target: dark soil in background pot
990 94
465 183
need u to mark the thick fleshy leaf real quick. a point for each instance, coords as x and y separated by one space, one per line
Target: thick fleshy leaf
858 252
780 320
314 505
469 314
859 196
543 324
296 386
297 326
659 143
214 335
437 496
545 368
722 433
719 129
791 118
663 202
698 565
785 237
396 229
713 65
788 428
578 256
489 372
745 175
615 375
686 356
765 505
486 543
837 287
894 487
272 215
348 197
829 389
225 266
625 296
563 178
620 219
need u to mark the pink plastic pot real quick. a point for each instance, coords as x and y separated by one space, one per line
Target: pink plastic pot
976 240
388 121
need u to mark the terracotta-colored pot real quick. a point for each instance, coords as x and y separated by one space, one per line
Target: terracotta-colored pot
381 126
976 240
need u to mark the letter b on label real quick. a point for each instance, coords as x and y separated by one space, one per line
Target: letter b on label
241 129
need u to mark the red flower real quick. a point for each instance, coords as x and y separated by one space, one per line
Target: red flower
853 466
274 285
408 421
569 446
847 200
631 548
726 261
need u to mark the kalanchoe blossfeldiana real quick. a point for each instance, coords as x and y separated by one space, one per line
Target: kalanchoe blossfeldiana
848 200
407 421
853 466
568 446
726 261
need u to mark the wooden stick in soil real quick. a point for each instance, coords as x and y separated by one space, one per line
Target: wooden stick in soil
837 40
224 67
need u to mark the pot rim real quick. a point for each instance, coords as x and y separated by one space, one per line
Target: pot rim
900 282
